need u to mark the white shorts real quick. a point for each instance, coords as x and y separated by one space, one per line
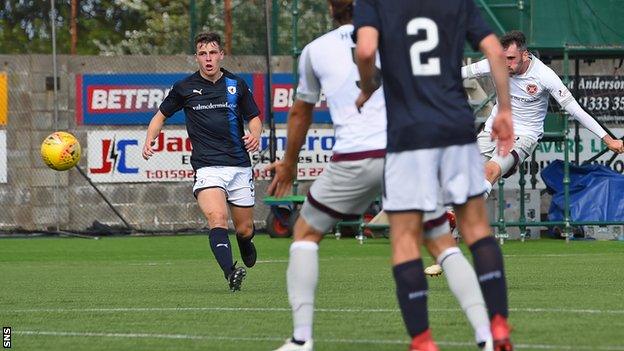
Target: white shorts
346 189
523 148
236 182
418 180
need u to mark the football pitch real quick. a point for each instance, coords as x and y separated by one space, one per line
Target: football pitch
168 293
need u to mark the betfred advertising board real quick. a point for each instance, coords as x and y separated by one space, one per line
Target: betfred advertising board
115 156
133 99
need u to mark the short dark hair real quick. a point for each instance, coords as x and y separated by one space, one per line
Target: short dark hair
342 10
514 37
208 37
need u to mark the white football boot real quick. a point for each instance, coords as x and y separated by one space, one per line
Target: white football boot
289 345
433 270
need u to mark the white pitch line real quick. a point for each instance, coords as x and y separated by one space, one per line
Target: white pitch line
273 338
278 309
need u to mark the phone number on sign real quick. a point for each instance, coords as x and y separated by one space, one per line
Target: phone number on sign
602 103
301 172
170 174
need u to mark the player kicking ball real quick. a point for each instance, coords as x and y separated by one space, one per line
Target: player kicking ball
531 84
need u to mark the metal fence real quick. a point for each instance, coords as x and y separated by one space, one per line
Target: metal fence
107 100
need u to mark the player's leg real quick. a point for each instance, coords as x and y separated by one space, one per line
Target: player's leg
245 231
212 203
301 282
342 190
404 201
488 263
460 276
241 198
487 148
209 189
407 269
499 166
462 180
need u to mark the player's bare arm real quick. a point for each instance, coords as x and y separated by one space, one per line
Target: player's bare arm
155 126
576 111
502 127
299 120
252 139
365 54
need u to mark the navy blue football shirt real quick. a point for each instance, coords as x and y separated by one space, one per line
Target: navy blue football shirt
215 115
421 45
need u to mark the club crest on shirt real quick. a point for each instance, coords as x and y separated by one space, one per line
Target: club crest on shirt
531 89
231 90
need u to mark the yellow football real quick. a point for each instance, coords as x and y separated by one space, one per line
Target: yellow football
60 151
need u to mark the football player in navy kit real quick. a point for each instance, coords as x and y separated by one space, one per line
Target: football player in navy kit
432 141
216 104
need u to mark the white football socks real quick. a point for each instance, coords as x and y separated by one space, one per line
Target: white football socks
462 280
302 278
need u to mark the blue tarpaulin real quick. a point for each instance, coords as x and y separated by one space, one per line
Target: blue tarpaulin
596 192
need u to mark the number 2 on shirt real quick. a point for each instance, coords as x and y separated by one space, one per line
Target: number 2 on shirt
432 66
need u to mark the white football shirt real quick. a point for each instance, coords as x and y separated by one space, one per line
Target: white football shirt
529 96
327 63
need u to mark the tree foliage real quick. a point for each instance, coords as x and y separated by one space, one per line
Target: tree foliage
113 27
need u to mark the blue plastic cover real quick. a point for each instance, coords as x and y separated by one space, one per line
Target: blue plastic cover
595 192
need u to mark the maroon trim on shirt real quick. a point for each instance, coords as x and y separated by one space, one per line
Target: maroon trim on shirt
360 155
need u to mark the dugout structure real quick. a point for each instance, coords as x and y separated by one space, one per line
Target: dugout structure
567 30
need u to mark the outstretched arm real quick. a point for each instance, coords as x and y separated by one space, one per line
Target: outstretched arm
560 92
475 70
576 111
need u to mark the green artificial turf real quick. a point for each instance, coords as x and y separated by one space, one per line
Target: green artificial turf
168 293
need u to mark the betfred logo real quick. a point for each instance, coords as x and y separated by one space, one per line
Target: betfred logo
283 98
124 99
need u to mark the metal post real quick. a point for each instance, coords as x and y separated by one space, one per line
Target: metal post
567 230
497 23
193 24
502 230
521 15
55 78
533 174
577 137
295 56
275 22
268 84
522 219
